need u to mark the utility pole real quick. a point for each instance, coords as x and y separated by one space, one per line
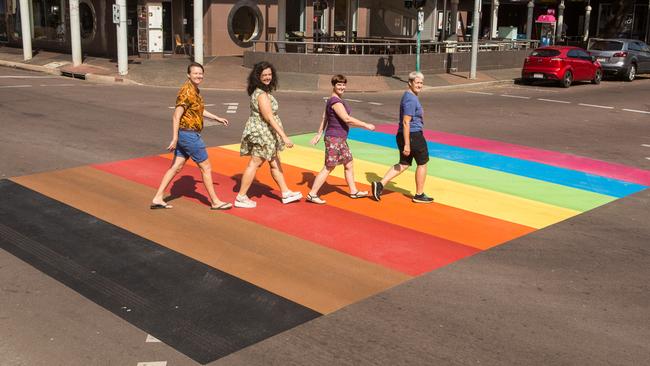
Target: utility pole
419 5
75 33
529 19
585 36
119 17
475 26
420 28
25 29
560 22
198 31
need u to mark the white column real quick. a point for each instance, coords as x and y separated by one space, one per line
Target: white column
25 21
560 21
282 24
122 47
585 37
529 20
198 31
75 32
494 20
475 26
348 21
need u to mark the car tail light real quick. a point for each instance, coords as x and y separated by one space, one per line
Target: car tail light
620 54
526 60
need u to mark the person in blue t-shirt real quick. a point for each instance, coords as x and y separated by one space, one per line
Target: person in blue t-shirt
410 142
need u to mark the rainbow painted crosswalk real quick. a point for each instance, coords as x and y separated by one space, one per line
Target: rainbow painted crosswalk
322 258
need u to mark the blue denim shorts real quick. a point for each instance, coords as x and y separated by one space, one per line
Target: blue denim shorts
190 145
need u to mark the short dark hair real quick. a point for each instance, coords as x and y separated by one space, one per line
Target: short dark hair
194 64
339 79
254 81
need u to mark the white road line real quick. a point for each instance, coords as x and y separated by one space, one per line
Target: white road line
645 145
595 106
648 158
554 101
636 111
355 100
375 103
230 103
16 86
232 107
152 339
26 77
514 96
57 85
231 111
482 93
153 363
209 105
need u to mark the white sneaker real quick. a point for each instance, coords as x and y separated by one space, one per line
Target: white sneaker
290 196
244 202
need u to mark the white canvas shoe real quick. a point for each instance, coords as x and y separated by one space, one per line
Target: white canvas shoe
244 202
290 196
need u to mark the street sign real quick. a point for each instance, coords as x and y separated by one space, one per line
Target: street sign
420 20
116 14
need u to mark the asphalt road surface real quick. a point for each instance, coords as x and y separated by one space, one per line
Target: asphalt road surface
575 293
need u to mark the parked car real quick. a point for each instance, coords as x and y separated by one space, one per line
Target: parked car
565 64
624 58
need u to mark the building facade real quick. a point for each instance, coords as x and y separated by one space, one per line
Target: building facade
159 27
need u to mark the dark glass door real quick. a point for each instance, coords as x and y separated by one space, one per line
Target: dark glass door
168 34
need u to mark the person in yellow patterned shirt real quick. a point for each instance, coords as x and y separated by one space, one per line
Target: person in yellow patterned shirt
187 124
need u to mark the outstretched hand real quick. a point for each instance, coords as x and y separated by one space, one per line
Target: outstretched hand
223 121
287 142
315 139
370 126
172 145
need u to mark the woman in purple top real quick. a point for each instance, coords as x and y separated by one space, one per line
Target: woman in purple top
336 123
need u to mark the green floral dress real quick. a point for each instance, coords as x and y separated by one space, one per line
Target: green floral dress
259 139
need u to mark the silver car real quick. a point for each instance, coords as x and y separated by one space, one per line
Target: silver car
623 58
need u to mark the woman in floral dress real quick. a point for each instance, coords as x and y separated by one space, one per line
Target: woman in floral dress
263 136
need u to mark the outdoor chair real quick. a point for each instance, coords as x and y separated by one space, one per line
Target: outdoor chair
179 44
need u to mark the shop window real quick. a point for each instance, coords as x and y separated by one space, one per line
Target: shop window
3 21
87 19
245 23
48 19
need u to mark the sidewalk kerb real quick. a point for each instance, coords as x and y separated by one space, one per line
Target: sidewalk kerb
23 66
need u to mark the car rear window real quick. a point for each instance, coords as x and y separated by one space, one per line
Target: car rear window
545 53
606 46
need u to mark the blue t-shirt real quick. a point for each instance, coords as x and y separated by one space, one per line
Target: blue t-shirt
410 106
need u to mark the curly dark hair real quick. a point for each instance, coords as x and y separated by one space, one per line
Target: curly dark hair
254 78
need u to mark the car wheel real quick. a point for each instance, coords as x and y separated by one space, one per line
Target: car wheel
598 76
567 79
631 73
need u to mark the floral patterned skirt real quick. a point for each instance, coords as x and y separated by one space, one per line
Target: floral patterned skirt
337 151
259 139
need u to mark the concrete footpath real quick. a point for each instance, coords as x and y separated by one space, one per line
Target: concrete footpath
226 73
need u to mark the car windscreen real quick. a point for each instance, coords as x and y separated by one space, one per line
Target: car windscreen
545 53
606 46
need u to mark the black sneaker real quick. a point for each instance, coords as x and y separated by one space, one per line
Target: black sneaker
377 188
422 198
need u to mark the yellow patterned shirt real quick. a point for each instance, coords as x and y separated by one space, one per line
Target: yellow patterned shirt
192 102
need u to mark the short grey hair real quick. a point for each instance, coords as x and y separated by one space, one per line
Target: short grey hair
415 75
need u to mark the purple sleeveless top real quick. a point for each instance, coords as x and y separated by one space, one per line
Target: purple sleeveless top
335 126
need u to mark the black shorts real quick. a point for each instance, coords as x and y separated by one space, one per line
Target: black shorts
419 149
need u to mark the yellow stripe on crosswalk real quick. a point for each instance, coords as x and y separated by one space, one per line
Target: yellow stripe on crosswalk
470 198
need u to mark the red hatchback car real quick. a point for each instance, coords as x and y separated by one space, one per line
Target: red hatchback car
562 63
